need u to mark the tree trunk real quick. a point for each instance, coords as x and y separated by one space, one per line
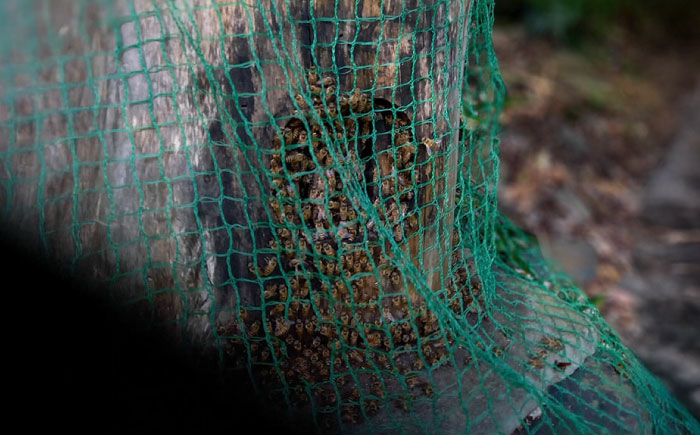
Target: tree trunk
137 142
151 175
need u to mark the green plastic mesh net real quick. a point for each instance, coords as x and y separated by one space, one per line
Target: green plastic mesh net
306 190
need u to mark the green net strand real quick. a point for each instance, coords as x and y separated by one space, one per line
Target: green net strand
306 191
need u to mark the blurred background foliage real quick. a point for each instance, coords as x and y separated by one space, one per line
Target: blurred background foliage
599 143
573 21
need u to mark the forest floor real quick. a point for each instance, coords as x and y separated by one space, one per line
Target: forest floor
598 154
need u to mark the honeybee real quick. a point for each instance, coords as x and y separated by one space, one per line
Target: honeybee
332 110
553 344
395 278
295 157
254 328
430 145
418 364
252 269
305 310
374 339
350 415
353 338
281 327
403 403
372 407
270 265
398 233
328 250
412 382
310 326
245 314
312 76
326 330
301 101
270 291
299 328
277 310
536 362
283 293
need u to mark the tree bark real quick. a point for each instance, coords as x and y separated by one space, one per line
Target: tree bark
135 143
149 170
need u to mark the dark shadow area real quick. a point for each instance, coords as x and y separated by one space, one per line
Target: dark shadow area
79 363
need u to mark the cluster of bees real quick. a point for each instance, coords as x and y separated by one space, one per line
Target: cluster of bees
547 344
332 300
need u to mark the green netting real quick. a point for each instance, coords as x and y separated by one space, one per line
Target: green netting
307 191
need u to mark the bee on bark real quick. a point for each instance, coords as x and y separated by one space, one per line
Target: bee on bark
284 233
402 138
418 364
356 357
283 293
270 291
350 414
303 136
254 329
276 209
328 250
497 352
310 326
353 337
413 382
275 165
344 334
281 327
553 344
301 101
277 310
406 155
372 407
411 224
398 233
312 76
316 91
536 362
388 188
326 331
297 345
306 310
294 159
330 93
288 135
374 340
289 339
357 268
354 100
270 265
332 110
403 403
395 278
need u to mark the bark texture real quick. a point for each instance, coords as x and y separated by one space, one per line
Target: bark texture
132 176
